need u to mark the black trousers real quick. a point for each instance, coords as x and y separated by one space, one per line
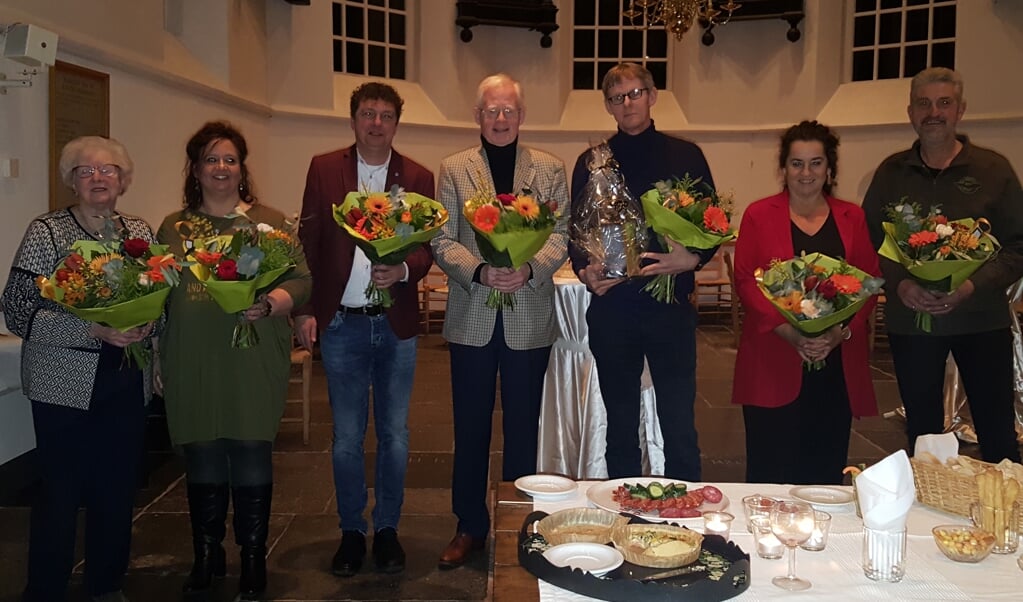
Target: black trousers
89 458
807 441
666 337
474 373
985 362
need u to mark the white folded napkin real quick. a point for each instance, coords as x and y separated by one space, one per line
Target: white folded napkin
943 446
886 492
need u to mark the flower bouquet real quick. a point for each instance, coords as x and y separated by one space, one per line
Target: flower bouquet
510 229
691 212
939 253
120 284
609 223
387 226
235 268
815 292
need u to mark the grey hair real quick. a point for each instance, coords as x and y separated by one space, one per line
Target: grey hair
499 80
937 75
70 158
627 71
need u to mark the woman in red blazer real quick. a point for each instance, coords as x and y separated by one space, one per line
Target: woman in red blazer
798 421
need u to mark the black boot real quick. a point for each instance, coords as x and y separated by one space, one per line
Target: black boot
251 523
207 509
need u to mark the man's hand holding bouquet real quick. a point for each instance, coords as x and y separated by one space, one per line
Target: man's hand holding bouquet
689 212
939 253
388 226
815 293
510 229
235 268
121 284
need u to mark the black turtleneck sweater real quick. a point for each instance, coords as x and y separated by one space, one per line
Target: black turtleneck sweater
502 165
644 158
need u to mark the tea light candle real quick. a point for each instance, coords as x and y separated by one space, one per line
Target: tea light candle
769 546
717 523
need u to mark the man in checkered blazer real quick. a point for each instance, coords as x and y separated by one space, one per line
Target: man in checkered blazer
483 340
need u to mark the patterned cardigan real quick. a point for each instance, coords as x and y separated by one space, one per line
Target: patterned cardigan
58 356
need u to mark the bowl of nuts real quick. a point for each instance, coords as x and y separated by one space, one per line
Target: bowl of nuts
963 543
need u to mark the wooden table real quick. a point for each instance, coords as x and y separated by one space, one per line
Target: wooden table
512 583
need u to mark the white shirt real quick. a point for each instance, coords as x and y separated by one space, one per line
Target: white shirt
372 178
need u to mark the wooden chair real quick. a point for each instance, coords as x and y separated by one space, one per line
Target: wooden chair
302 359
875 323
433 298
713 294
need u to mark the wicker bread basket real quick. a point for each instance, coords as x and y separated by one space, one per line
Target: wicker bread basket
629 539
589 525
951 490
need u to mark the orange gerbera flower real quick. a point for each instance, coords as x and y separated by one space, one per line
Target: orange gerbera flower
207 258
922 239
526 206
791 302
378 205
161 262
406 217
486 218
685 199
715 220
846 283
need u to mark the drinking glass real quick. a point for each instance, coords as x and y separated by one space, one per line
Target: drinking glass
792 523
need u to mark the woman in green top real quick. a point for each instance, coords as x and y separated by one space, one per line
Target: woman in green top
224 404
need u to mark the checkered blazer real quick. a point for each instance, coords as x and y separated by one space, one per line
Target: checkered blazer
468 321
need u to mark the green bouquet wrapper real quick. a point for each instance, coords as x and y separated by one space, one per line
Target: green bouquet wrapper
936 275
816 326
509 250
666 222
393 250
234 296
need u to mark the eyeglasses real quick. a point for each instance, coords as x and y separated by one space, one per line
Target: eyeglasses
385 117
86 171
617 99
493 112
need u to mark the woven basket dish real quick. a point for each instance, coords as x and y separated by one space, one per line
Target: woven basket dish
629 539
950 490
578 525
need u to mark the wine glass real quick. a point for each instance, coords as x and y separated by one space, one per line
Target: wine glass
792 523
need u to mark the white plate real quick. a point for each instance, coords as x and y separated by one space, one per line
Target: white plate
594 558
601 495
546 486
822 496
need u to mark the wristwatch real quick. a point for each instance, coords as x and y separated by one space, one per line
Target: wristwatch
846 333
267 307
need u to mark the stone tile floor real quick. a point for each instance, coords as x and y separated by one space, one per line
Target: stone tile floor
303 530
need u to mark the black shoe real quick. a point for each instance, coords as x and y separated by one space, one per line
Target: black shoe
387 552
207 510
348 558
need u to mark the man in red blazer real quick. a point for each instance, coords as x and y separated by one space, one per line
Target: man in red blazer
364 345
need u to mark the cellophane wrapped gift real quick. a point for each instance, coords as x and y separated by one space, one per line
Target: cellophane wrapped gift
609 223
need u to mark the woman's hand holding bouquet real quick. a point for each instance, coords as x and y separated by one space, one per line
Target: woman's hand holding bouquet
120 286
816 295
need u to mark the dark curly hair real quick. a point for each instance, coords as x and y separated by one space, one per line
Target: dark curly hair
813 131
376 91
208 135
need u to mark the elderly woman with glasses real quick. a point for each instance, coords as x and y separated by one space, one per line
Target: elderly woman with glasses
88 405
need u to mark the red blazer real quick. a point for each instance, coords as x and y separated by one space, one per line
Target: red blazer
769 371
330 251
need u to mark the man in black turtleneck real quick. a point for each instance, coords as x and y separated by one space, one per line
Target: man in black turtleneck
483 340
625 323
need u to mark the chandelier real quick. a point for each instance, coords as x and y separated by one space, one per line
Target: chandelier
677 16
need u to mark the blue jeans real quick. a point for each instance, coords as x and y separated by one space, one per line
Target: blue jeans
359 351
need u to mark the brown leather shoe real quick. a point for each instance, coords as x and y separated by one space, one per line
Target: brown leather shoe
459 550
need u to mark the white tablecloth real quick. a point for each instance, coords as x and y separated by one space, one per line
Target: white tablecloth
836 572
17 434
573 422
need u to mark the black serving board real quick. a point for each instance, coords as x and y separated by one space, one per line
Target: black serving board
623 584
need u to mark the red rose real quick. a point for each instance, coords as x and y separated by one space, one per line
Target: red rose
227 270
506 199
827 289
136 247
353 216
74 261
810 283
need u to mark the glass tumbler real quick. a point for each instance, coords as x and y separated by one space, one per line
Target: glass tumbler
884 554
